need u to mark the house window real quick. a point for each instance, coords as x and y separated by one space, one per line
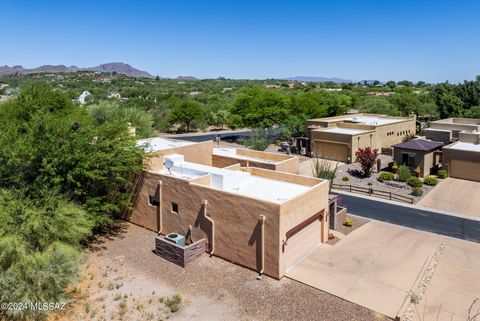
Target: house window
174 208
154 201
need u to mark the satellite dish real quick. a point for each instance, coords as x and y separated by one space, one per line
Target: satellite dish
168 164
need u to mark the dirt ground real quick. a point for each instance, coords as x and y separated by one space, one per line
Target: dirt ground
122 279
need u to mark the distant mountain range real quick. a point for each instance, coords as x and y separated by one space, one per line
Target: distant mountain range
118 67
319 79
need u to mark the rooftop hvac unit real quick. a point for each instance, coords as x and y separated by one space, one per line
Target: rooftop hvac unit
175 238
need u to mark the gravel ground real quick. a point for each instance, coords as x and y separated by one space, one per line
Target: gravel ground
211 288
402 188
357 221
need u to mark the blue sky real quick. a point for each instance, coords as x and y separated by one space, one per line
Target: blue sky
405 39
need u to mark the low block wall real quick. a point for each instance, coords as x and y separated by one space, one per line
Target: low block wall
178 254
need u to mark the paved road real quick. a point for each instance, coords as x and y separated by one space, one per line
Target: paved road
224 135
416 218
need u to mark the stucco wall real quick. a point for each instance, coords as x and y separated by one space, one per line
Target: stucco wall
424 160
400 131
237 228
200 153
286 164
444 136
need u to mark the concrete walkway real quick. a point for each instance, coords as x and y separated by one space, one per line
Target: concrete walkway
454 195
377 266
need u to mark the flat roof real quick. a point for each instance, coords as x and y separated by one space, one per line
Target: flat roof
347 131
232 152
372 120
157 143
234 181
465 146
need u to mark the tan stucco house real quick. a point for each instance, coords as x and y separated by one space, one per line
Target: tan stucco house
259 218
449 129
338 138
462 158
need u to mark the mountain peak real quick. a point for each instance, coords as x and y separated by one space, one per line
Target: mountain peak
117 67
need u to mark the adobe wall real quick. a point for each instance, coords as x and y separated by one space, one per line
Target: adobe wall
449 154
200 153
444 136
400 131
473 138
237 225
286 177
362 141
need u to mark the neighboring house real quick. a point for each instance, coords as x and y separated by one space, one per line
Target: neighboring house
339 138
448 130
82 99
226 156
258 218
462 158
421 153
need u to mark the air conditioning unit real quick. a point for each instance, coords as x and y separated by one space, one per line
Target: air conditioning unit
175 238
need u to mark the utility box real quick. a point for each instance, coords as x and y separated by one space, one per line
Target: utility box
175 238
178 254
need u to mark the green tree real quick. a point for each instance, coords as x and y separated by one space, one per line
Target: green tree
255 107
450 106
107 111
378 105
185 113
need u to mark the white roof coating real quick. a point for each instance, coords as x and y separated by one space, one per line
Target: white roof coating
465 146
232 152
348 131
371 120
238 182
157 143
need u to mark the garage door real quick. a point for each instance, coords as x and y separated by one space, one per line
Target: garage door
465 170
334 151
303 239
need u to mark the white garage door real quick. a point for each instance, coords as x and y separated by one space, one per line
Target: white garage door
305 239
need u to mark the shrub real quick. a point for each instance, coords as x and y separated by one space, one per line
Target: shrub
403 173
417 170
366 157
394 166
173 302
442 174
415 182
430 180
385 176
416 192
348 222
345 178
324 169
370 184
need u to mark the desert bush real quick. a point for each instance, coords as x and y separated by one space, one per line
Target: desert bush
348 222
173 302
385 176
403 173
416 192
415 182
430 180
324 169
442 174
345 178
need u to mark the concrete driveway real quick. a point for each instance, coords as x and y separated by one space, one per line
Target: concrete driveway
378 265
454 195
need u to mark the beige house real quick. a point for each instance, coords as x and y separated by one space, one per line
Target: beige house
340 137
449 129
225 156
462 158
262 219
